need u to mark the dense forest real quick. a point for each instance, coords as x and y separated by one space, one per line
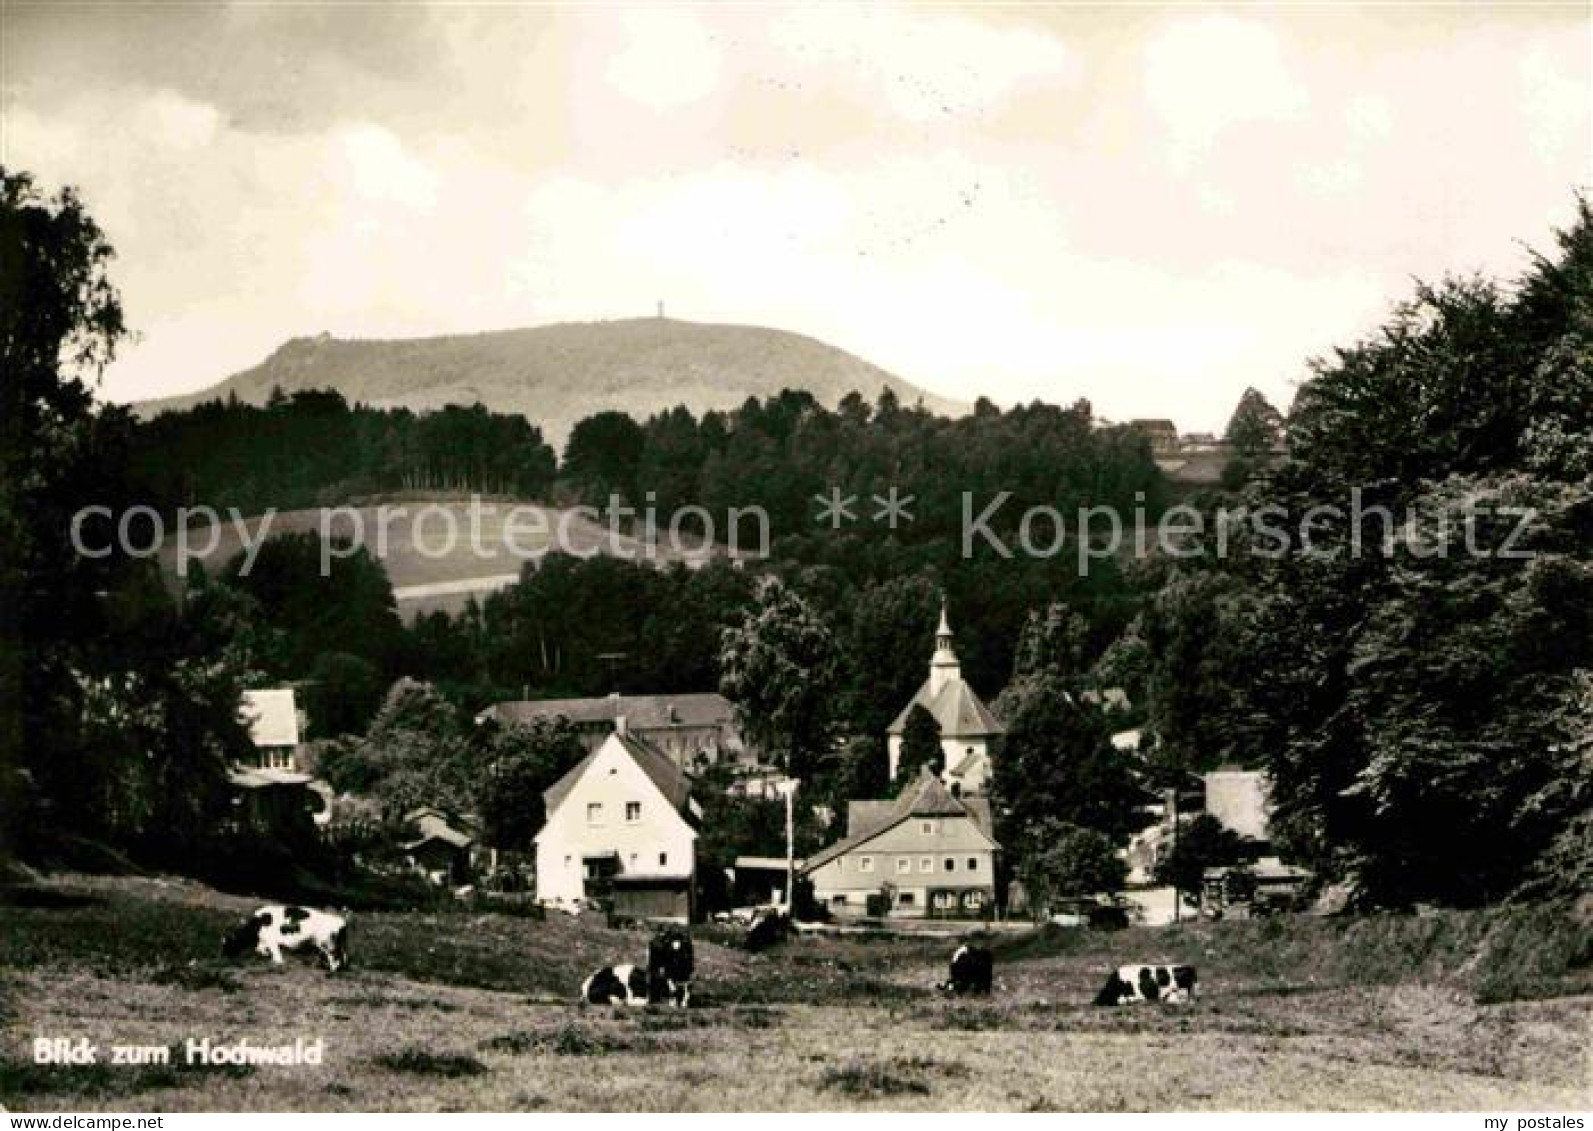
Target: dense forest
312 448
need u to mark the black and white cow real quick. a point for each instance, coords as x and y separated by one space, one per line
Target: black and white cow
1129 984
670 964
971 970
616 985
277 927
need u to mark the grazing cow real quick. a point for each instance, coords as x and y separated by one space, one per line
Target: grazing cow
277 927
616 985
971 969
669 966
1129 984
769 926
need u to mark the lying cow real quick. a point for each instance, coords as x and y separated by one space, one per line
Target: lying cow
616 985
769 926
970 972
1129 984
669 967
277 927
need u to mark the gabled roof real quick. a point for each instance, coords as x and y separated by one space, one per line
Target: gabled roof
926 796
430 824
957 710
671 782
645 712
271 716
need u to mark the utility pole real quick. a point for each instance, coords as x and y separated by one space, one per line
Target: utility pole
1178 896
789 787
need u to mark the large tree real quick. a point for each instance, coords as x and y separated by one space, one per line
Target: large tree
119 706
1256 427
781 668
1058 860
920 746
1056 761
1414 678
518 763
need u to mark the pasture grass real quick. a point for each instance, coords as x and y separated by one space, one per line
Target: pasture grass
475 1011
423 1062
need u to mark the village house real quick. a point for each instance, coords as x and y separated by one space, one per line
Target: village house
270 795
620 832
1162 433
438 845
926 854
967 726
692 730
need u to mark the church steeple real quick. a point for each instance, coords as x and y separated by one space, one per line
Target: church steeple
943 665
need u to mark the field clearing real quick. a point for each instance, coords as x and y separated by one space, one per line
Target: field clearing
474 1012
437 555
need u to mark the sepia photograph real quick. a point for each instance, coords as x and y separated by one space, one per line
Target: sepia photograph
901 557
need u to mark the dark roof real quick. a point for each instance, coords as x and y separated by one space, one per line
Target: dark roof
645 712
671 782
958 711
926 796
246 777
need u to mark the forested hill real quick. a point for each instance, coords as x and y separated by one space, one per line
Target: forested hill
557 374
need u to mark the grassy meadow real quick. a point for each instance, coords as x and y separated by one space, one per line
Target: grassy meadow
464 1011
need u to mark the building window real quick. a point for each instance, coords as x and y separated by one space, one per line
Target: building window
926 864
927 827
663 858
973 900
837 901
594 813
865 863
633 812
973 863
951 864
903 864
905 899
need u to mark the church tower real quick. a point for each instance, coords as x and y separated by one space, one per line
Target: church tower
966 725
943 665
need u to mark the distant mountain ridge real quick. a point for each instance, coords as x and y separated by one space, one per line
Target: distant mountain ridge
557 374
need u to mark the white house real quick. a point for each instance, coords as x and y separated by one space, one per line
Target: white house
619 826
270 794
967 726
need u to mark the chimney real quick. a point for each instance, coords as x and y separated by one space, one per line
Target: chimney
619 725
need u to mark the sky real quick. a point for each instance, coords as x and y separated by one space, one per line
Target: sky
1152 207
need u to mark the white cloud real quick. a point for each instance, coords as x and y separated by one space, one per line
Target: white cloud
925 66
167 118
1555 104
1369 118
379 168
667 60
1204 76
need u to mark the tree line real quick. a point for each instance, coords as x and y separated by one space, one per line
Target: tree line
311 448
